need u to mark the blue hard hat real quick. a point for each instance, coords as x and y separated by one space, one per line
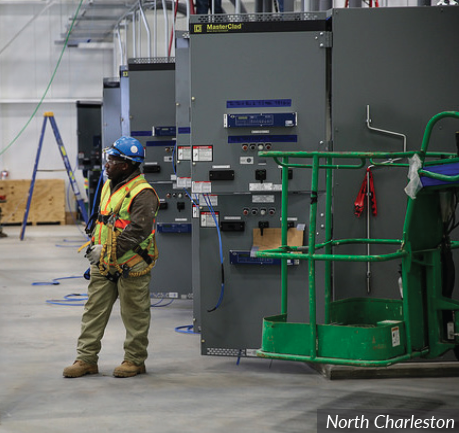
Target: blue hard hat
127 148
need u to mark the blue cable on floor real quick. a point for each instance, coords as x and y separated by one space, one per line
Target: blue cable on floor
79 242
54 282
187 329
158 304
239 357
70 300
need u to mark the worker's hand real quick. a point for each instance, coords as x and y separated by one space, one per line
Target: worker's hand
93 254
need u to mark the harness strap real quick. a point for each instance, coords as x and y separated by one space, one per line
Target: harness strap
103 219
110 218
109 247
143 253
126 192
111 253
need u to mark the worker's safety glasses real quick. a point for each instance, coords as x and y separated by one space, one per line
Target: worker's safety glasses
114 162
110 161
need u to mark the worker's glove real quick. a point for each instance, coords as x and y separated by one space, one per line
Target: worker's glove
93 254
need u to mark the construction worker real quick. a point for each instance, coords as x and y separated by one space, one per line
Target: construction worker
121 253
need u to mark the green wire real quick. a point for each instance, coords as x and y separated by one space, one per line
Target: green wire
50 82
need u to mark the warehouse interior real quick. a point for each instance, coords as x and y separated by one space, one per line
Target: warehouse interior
306 159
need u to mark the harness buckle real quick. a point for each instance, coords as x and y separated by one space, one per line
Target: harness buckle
113 277
109 219
126 270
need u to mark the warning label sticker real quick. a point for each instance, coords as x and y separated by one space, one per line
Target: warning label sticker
202 154
395 336
201 186
207 219
183 182
183 153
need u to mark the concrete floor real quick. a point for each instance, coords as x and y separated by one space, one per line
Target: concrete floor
182 390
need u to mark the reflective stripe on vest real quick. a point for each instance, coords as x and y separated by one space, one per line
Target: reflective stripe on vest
108 205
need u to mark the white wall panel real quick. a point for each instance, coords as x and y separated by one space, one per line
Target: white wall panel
28 58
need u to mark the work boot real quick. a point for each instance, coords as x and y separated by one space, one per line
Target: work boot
80 368
128 369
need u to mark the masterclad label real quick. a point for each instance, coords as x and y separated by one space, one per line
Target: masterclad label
217 28
249 27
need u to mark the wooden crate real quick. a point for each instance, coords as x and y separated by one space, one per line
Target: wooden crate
48 201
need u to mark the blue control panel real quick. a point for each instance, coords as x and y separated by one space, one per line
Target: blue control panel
164 131
173 228
251 120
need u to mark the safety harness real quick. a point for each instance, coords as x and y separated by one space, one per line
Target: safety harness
110 245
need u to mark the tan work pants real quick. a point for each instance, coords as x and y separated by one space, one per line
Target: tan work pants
134 295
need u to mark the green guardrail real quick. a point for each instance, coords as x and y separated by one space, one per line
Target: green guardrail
404 329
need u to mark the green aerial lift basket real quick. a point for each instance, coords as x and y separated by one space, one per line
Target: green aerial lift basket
370 331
